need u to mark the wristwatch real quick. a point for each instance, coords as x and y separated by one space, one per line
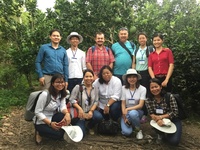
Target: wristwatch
108 105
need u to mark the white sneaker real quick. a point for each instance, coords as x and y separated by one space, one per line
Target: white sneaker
139 135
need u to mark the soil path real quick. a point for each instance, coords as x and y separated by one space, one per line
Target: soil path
16 133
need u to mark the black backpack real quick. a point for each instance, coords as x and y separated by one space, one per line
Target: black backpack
181 111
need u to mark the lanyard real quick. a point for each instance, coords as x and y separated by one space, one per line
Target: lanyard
88 96
74 53
132 94
142 53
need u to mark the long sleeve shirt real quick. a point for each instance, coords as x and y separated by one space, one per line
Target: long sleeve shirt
172 111
112 90
82 97
53 61
42 112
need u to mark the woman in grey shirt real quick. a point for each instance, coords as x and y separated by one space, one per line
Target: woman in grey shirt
85 98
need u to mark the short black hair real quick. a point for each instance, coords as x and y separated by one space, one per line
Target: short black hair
57 30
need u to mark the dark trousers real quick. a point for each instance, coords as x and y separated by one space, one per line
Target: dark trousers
46 131
174 138
169 84
73 82
145 82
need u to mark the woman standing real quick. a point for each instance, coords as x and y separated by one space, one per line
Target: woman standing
158 110
133 97
109 94
49 119
140 64
86 102
161 63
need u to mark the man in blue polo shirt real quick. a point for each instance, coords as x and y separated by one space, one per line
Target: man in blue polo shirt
51 59
123 52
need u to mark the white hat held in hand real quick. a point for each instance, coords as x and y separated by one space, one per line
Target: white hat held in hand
74 34
131 72
72 133
169 127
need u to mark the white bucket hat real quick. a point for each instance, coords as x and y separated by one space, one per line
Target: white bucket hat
131 71
72 133
74 34
169 127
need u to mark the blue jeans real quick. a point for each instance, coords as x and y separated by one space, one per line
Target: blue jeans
174 138
73 82
96 118
114 113
46 131
133 117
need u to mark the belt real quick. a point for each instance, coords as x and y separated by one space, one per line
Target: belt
160 75
143 71
49 74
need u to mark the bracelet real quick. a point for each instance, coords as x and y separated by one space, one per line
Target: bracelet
50 124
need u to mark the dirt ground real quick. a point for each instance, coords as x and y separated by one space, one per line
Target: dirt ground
16 133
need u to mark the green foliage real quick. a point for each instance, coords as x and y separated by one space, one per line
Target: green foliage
15 97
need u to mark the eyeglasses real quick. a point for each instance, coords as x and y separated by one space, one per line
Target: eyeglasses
123 28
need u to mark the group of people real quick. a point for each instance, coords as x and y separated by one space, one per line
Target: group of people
123 83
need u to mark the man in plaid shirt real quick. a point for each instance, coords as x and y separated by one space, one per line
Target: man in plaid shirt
99 55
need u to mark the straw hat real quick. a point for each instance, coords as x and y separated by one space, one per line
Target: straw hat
169 127
72 34
72 133
131 71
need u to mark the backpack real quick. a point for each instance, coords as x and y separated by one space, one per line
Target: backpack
93 49
149 50
181 111
72 110
31 104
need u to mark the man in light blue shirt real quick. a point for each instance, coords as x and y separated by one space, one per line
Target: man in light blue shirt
51 59
123 59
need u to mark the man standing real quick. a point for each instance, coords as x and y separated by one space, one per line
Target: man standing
123 52
51 59
99 55
76 59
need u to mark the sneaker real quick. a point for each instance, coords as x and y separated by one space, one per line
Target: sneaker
91 131
143 119
139 135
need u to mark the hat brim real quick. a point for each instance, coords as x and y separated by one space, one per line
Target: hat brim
74 133
124 76
165 129
79 36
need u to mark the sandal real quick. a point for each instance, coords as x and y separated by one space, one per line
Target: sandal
38 138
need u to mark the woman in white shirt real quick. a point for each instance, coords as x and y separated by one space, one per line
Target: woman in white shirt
133 97
49 119
109 94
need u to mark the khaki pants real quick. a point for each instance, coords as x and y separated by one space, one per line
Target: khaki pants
47 82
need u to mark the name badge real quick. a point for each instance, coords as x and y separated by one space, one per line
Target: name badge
131 101
159 111
73 59
86 102
141 62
